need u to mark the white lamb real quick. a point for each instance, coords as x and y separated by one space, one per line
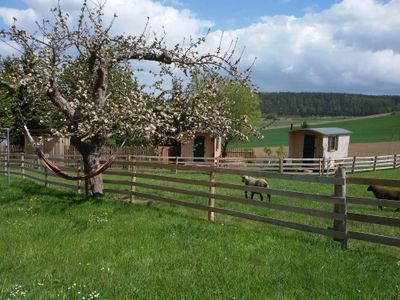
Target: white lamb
248 180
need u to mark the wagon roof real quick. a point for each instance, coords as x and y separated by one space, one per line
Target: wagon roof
326 130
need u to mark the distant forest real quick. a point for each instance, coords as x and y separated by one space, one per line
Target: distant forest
327 104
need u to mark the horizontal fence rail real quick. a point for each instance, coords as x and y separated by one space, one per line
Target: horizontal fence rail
164 180
316 166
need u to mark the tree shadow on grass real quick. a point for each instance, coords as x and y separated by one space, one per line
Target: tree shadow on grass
20 191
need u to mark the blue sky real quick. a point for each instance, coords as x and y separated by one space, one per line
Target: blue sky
228 14
320 46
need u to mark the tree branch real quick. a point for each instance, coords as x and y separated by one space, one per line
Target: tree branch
100 86
163 57
58 100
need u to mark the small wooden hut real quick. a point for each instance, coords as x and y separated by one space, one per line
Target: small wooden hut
200 146
328 143
54 146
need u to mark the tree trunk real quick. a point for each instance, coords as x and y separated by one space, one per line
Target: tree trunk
91 152
224 148
94 185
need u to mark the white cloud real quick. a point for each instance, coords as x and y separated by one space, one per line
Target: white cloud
353 46
25 17
178 24
132 16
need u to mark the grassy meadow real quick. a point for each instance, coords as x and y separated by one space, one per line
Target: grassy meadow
379 129
58 245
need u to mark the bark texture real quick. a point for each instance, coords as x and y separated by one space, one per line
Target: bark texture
91 153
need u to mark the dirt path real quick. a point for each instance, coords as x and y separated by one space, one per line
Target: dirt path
335 121
370 149
356 149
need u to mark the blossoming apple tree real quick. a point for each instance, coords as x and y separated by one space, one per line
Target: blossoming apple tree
83 78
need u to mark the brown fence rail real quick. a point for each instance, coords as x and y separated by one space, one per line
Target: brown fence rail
156 179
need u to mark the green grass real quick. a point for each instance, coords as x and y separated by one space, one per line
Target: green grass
57 245
380 129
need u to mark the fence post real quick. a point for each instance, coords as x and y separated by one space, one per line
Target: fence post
4 159
8 156
353 166
129 166
176 164
78 182
320 167
328 166
340 192
133 181
46 176
281 165
211 200
394 161
22 165
375 158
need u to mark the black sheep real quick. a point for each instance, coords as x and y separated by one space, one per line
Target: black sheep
381 193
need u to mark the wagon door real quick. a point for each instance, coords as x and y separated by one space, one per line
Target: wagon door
199 144
309 146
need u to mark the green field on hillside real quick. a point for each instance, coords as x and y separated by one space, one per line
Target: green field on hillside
297 121
380 129
57 245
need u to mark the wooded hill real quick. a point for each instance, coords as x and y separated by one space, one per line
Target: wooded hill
327 104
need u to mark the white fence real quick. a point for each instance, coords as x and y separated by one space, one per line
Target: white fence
318 166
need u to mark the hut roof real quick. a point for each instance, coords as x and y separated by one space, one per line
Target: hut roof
326 131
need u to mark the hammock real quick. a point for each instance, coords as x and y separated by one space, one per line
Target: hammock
52 166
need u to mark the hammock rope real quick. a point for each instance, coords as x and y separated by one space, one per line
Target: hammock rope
52 166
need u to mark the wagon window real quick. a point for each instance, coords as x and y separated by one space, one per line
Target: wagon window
333 143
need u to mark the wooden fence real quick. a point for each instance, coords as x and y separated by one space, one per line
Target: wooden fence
107 150
240 152
160 150
318 166
213 191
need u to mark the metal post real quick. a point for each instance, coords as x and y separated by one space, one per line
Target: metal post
78 182
133 181
374 166
46 176
8 154
353 166
23 165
